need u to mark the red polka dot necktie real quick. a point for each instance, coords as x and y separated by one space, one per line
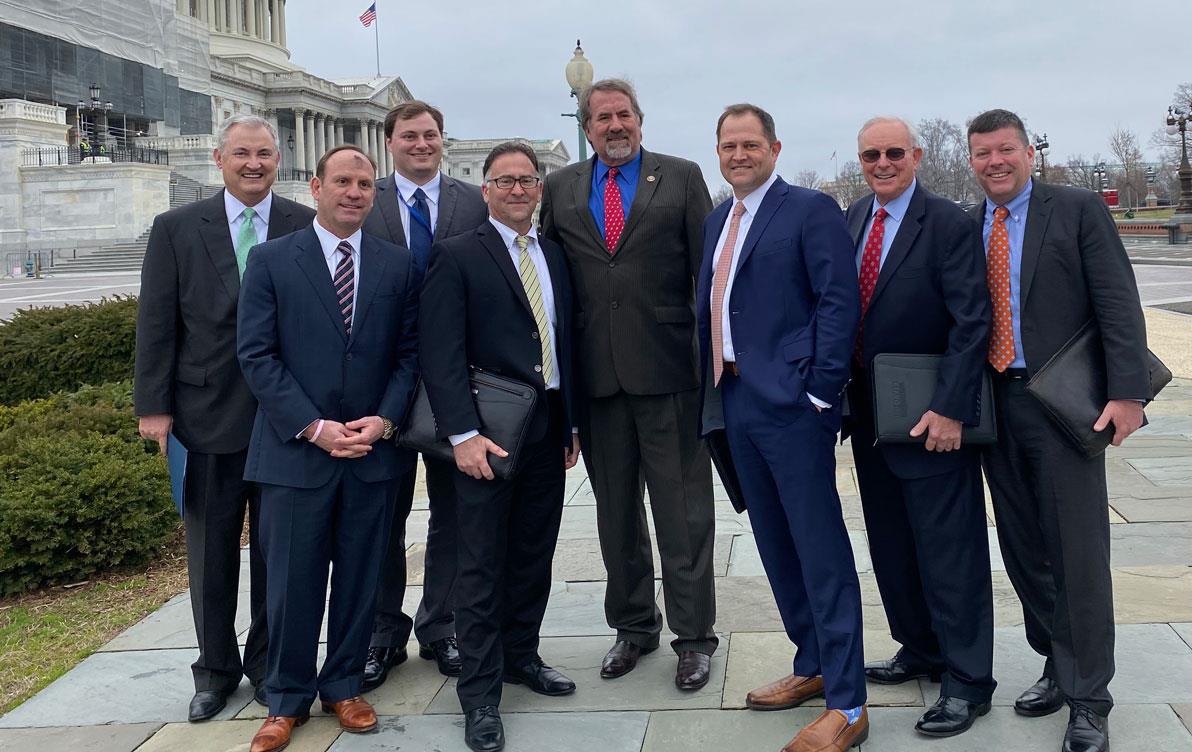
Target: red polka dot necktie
1001 340
871 267
614 213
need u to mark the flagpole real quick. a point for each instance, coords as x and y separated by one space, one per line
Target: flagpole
377 37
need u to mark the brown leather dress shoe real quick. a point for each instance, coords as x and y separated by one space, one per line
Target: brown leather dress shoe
621 659
355 715
274 733
788 692
693 671
831 733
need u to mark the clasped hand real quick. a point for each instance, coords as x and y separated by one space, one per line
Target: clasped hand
347 440
943 434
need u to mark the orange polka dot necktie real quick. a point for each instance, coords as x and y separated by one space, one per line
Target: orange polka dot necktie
871 267
614 213
1001 340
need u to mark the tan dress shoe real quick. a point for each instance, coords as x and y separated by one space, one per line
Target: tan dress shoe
274 733
787 692
831 733
355 715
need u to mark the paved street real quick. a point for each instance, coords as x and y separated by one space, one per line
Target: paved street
133 693
17 293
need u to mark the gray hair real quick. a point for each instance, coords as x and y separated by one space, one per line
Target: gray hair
248 121
910 129
618 85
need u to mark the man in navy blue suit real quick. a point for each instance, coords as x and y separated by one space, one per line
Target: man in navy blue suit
328 345
778 310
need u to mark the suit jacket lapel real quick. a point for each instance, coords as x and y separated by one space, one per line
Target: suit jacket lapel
448 198
492 241
714 225
217 240
908 230
583 191
281 219
387 198
647 182
856 226
314 265
1037 216
557 266
372 268
770 203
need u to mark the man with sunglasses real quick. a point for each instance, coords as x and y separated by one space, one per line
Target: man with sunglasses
921 272
499 299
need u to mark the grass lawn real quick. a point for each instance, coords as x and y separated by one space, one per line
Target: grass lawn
45 633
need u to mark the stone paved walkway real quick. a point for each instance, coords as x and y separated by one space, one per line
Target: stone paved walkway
132 694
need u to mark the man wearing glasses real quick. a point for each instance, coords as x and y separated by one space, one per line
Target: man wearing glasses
499 299
921 272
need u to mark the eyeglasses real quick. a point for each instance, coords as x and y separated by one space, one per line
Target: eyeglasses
869 156
505 182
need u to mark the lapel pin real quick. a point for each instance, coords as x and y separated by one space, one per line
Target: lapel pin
649 178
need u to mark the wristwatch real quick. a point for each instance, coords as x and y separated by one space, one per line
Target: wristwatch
388 428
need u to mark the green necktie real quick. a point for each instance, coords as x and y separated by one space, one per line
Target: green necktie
529 278
245 239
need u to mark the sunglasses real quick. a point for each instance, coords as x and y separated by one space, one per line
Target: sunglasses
869 156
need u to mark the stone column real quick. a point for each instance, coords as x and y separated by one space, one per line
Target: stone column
339 131
299 141
250 17
312 157
366 136
320 145
205 11
282 21
273 18
329 124
217 14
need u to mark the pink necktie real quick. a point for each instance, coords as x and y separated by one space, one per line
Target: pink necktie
719 283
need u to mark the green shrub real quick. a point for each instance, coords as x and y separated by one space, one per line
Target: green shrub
47 350
74 505
105 410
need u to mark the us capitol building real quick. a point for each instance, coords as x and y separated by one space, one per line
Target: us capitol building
107 109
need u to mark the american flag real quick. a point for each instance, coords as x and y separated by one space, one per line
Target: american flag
368 16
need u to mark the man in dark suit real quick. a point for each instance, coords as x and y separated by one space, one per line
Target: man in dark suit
629 221
414 206
922 281
778 310
188 382
499 299
1055 262
328 344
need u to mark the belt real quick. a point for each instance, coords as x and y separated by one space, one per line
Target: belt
1012 374
731 367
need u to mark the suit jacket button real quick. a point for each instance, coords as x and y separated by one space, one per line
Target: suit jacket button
348 356
533 335
612 265
537 369
616 305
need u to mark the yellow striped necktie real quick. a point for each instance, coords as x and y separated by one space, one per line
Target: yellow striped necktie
529 279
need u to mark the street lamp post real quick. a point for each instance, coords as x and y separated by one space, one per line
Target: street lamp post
1041 147
1177 122
1100 179
579 77
97 107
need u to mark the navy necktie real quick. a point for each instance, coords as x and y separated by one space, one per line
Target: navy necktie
420 233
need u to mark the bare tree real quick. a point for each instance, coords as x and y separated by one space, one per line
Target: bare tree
1130 178
808 179
850 186
722 195
945 167
1080 171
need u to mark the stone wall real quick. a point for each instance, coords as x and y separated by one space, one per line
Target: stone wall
23 125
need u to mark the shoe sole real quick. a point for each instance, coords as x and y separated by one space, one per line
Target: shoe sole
362 730
1027 713
983 710
785 706
644 651
936 678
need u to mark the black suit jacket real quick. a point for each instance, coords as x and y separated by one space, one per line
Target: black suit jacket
461 208
931 298
1074 268
302 366
636 308
475 312
186 324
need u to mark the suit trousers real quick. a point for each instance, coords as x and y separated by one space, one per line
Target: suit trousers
435 618
1052 511
632 442
787 472
341 526
216 496
507 534
930 556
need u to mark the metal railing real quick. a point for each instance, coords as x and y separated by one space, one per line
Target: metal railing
73 155
32 263
293 173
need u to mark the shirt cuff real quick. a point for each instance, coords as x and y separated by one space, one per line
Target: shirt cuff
308 426
818 402
459 438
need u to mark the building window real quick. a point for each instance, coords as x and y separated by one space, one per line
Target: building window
467 171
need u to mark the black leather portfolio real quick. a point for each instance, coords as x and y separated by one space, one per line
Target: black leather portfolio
903 385
722 460
505 407
1072 388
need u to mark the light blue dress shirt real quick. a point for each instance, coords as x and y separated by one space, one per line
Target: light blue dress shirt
896 210
1016 230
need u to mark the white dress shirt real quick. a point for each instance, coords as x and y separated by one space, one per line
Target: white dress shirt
260 221
405 195
331 254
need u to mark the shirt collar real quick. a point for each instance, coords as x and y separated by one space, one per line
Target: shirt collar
234 208
1016 206
630 170
508 234
406 187
330 242
753 201
897 206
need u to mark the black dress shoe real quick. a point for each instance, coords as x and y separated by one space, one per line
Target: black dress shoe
378 663
1087 731
540 678
898 669
206 703
1043 698
950 716
694 670
260 695
622 658
445 653
483 731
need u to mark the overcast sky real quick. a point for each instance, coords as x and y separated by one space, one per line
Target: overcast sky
1074 69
